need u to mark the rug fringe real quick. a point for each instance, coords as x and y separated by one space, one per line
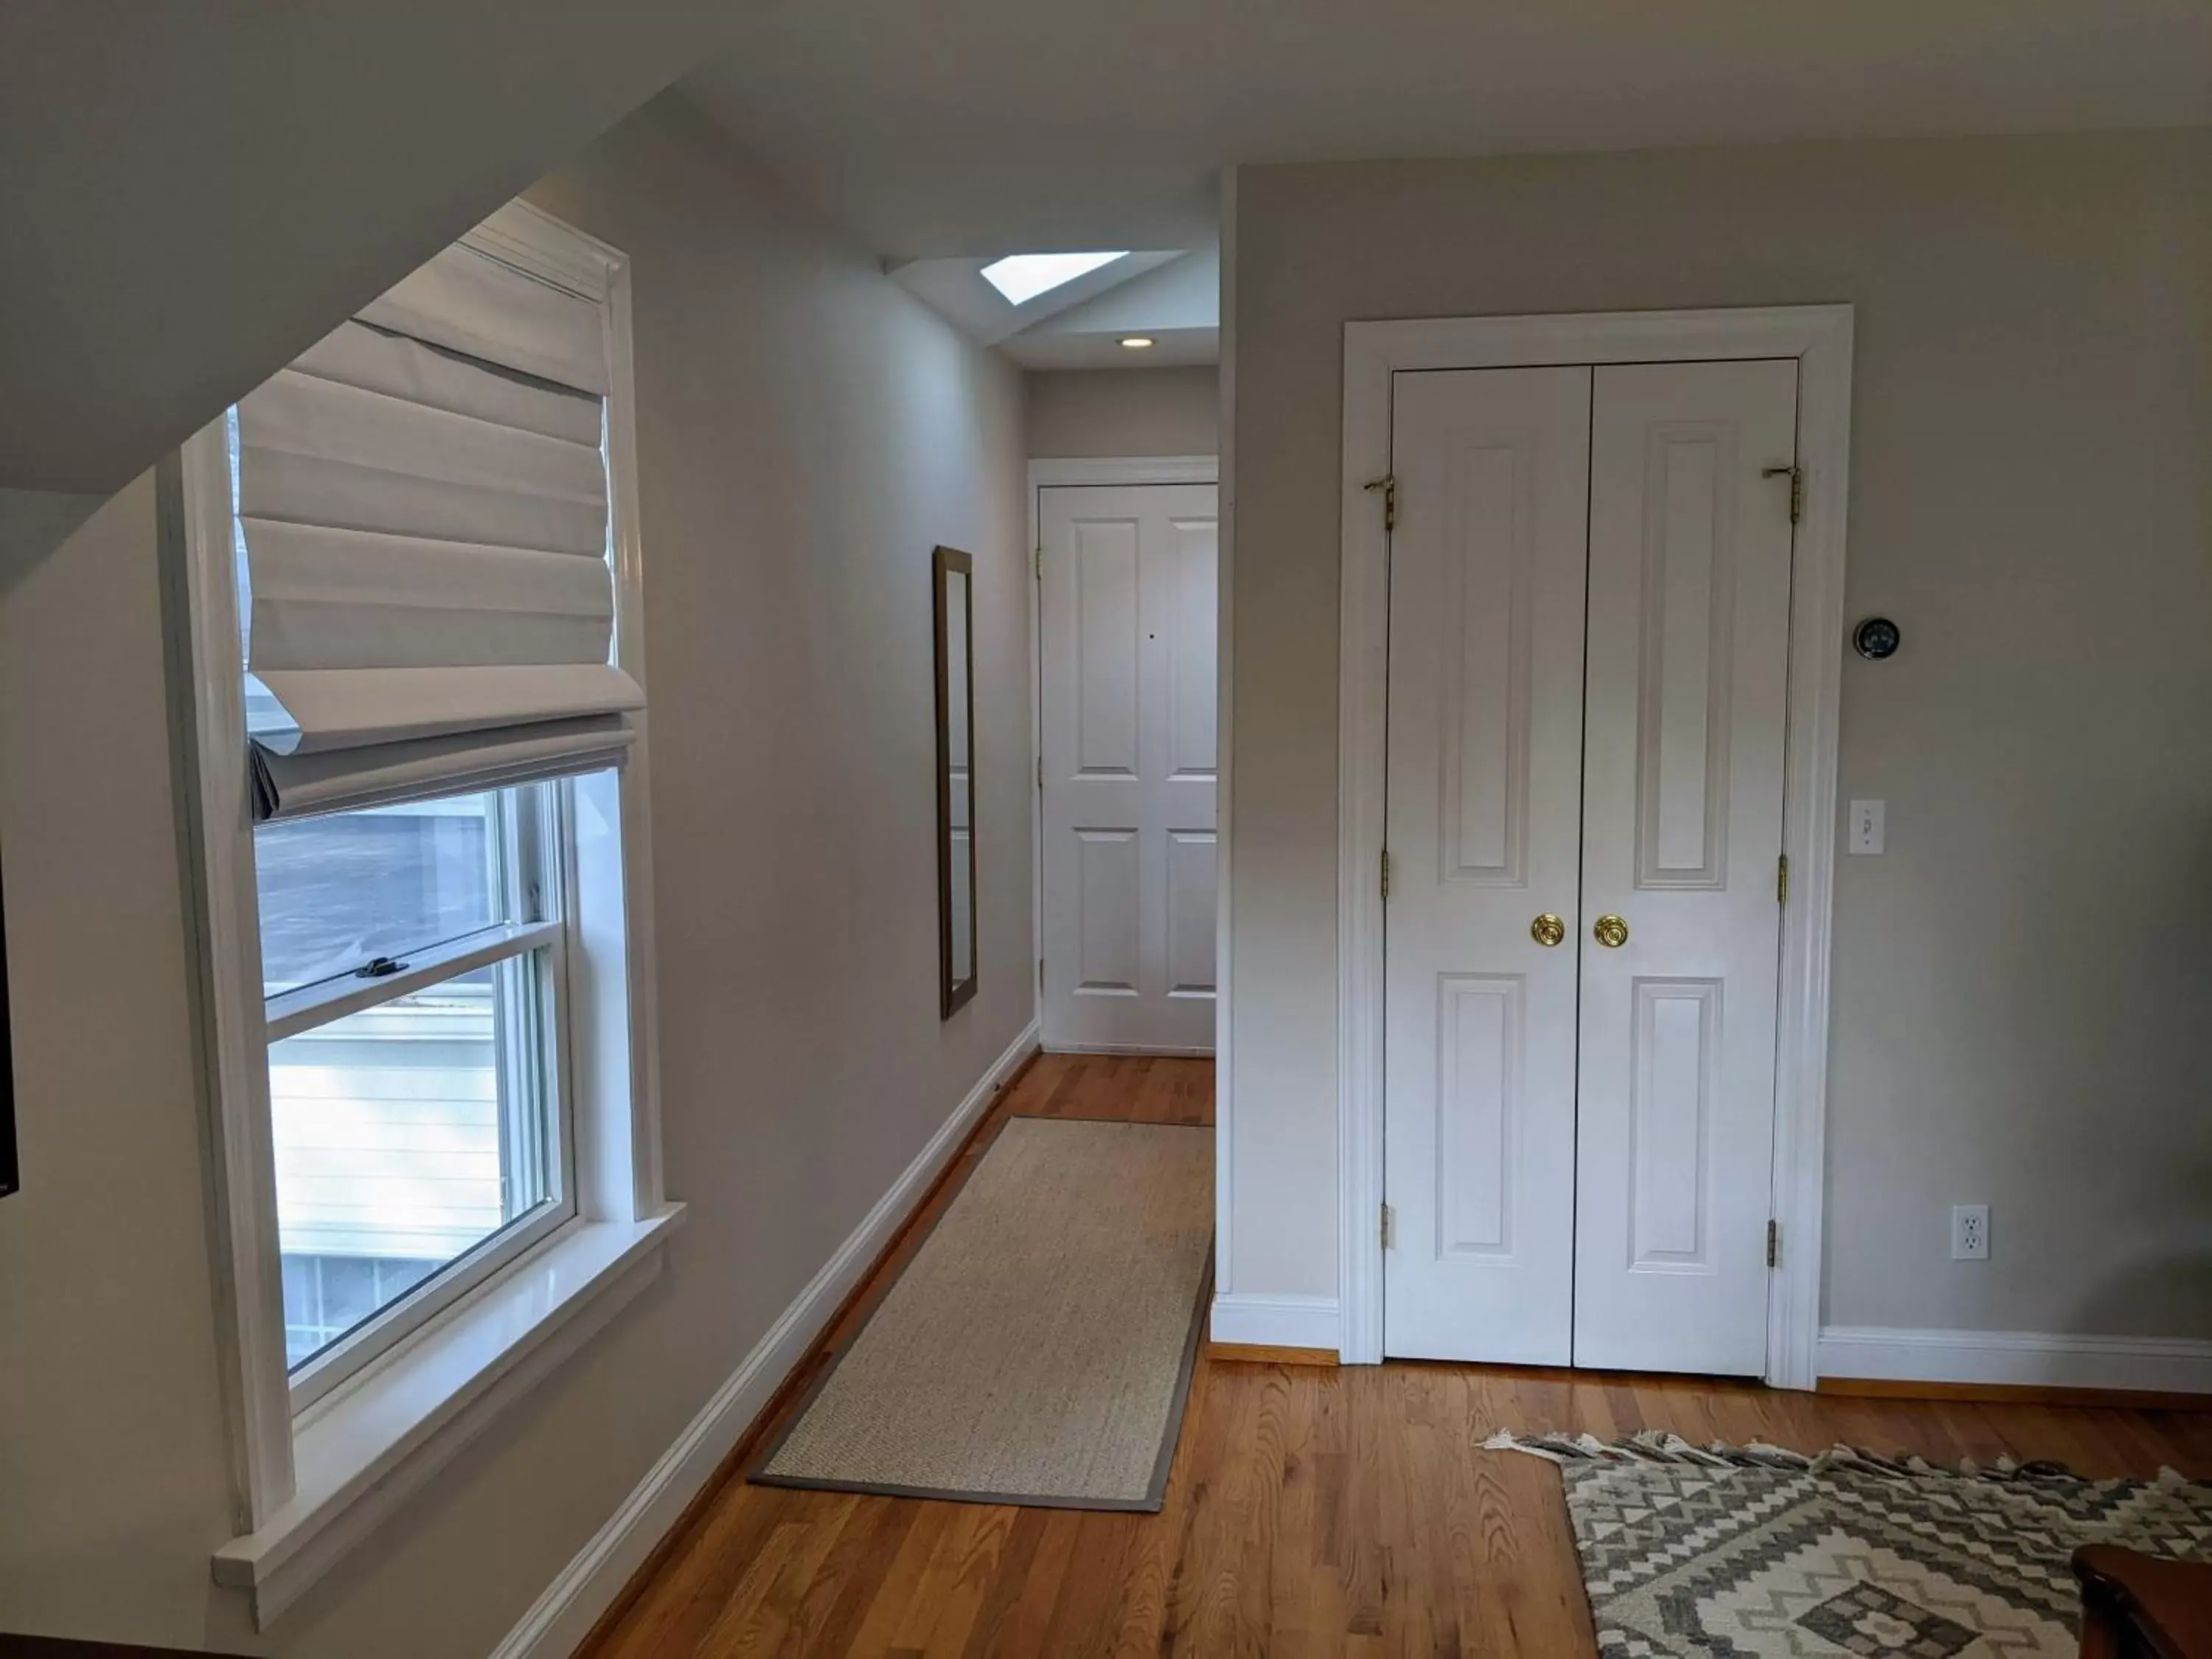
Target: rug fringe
1651 1446
1659 1446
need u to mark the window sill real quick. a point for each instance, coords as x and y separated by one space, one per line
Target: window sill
358 1453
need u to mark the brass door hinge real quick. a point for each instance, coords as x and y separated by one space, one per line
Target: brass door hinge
1040 973
1773 1243
1389 1226
1040 564
1782 880
1386 875
1387 483
1796 476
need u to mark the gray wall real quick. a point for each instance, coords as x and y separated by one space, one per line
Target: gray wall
1123 411
113 1478
806 435
2022 987
32 521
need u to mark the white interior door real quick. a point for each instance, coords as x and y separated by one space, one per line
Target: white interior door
1127 624
1688 645
1488 563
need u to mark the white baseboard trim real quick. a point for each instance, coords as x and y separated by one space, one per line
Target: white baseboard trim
1275 1321
558 1624
2038 1358
1205 1053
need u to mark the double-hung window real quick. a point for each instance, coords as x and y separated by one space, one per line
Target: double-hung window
414 974
406 574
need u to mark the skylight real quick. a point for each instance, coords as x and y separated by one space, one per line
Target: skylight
1022 276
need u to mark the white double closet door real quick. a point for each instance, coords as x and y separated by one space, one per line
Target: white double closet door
1590 599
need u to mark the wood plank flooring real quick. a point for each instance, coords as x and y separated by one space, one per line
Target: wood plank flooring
1310 1511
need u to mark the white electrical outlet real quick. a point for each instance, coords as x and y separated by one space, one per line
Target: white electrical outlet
1969 1232
1866 831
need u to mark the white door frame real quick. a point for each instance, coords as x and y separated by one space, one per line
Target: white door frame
1820 337
1109 470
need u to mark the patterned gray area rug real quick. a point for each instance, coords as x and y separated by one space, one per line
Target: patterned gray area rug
1759 1552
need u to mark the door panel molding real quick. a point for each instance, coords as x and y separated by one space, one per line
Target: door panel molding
1820 338
1682 773
1470 1220
1486 793
1673 1077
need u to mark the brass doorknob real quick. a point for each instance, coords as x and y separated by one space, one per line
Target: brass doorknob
1612 931
1547 930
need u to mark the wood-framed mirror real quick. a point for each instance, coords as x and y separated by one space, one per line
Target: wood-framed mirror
952 583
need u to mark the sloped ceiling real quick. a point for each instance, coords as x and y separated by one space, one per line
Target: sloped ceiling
1177 306
193 191
1171 297
966 126
957 291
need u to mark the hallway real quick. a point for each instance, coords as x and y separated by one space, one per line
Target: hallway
1311 1510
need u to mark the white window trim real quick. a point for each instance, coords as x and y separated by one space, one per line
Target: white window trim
312 1476
289 1013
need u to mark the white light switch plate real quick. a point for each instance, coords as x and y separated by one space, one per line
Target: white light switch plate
1866 831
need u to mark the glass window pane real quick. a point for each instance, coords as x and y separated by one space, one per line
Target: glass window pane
406 1135
338 891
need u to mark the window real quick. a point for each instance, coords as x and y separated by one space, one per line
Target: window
407 566
1022 276
417 1106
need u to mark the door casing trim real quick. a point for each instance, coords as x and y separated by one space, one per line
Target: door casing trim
1820 338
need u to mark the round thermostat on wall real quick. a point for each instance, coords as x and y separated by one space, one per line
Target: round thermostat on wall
1876 638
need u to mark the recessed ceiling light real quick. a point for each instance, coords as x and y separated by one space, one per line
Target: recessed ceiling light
1022 276
1136 342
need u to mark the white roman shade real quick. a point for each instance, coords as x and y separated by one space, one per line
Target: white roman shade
423 527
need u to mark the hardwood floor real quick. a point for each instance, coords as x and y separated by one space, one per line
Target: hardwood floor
1310 1511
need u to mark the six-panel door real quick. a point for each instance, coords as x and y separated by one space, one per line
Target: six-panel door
1127 608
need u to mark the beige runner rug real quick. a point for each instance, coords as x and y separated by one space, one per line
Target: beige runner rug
1039 1347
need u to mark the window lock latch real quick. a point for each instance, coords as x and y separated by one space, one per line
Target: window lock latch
381 967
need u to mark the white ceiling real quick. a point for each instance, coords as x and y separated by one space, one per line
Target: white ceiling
990 126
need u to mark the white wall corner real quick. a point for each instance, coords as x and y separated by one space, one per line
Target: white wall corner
558 1621
2025 1359
1275 1321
